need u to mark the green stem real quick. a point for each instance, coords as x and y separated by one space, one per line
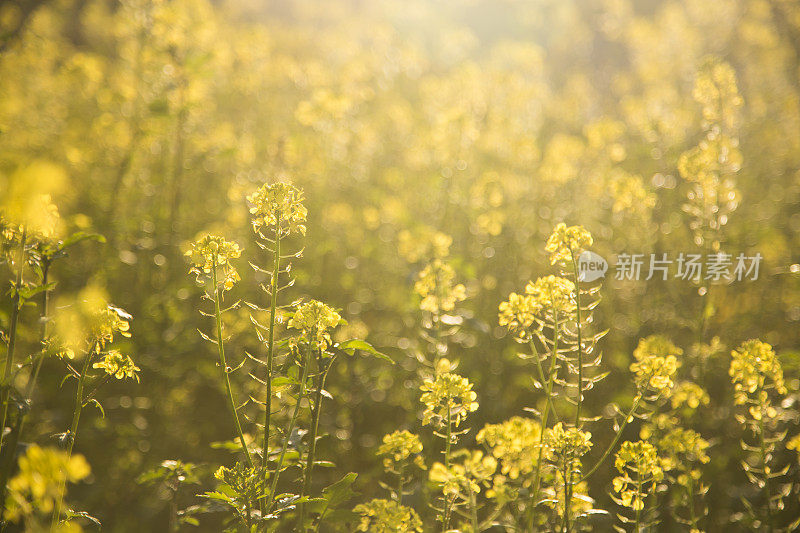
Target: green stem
764 468
446 517
548 401
580 342
73 429
247 515
271 348
45 317
224 365
400 487
315 416
641 500
628 416
567 492
12 335
11 446
473 508
692 516
549 394
285 443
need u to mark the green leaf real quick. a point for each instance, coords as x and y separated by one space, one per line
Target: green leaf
97 404
218 496
80 236
82 514
350 347
341 491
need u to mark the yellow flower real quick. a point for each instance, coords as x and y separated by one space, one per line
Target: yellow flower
656 364
566 242
385 516
105 323
314 319
569 442
423 243
212 253
118 365
37 485
640 469
716 90
553 293
519 312
689 394
514 443
435 284
398 447
469 475
447 395
755 369
278 206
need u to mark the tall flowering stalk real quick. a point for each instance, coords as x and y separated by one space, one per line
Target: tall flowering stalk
448 398
565 447
400 450
276 211
314 321
104 325
758 383
640 469
565 245
547 304
654 367
211 262
439 293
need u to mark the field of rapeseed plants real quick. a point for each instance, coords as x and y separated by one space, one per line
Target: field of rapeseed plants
400 266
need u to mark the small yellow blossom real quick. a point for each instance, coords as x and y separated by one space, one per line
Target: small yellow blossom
118 365
436 285
398 447
754 369
278 206
519 312
640 468
567 242
386 516
553 293
476 470
211 256
514 443
423 243
567 442
447 396
315 320
104 324
656 364
38 484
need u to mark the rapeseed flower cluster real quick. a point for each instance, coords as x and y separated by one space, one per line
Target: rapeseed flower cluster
475 471
387 516
567 242
447 397
118 365
278 206
640 469
398 447
315 320
37 485
212 254
436 285
656 364
755 369
514 443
